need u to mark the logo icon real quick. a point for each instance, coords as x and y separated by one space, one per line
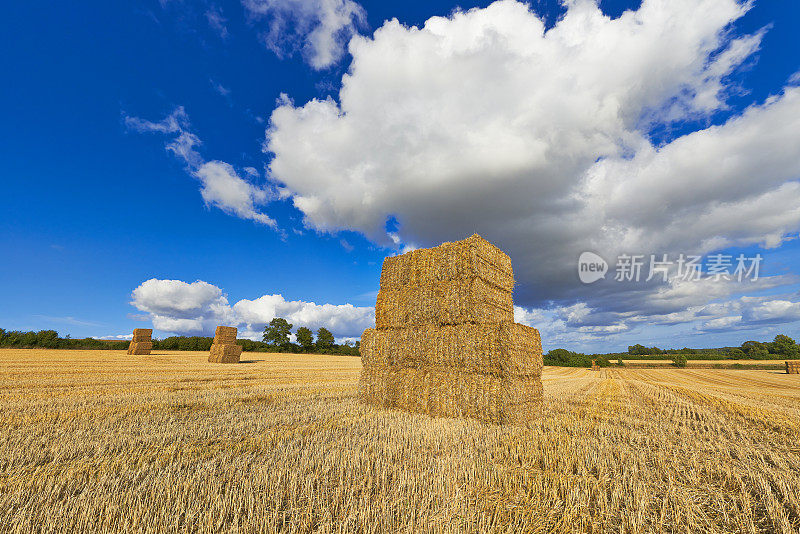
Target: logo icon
591 267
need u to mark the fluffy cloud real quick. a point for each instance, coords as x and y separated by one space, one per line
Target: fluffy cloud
749 313
198 307
774 311
221 186
225 189
344 320
320 28
180 307
540 140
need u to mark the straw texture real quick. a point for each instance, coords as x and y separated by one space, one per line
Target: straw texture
224 349
793 367
451 392
142 334
225 353
445 342
469 258
141 342
225 334
499 349
447 302
140 347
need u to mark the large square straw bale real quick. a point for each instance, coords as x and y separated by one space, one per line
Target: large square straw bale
142 334
225 353
506 349
140 347
454 301
471 257
793 367
225 334
448 392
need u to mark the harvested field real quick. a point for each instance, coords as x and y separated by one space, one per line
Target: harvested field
98 440
705 362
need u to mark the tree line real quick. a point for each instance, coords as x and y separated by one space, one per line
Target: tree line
782 347
49 339
275 339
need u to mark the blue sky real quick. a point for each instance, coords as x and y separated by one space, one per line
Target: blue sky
296 165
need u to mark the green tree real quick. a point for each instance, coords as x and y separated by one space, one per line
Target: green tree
324 339
679 360
736 354
277 332
639 350
785 346
305 338
47 339
755 350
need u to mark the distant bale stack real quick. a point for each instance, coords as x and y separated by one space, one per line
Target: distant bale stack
445 341
224 349
595 367
793 367
142 341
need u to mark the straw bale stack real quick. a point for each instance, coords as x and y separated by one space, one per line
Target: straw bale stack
595 367
225 335
445 341
142 341
447 302
793 367
224 349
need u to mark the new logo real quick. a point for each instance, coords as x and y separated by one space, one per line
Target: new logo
591 267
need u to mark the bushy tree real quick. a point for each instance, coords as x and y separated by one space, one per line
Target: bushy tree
736 354
277 332
566 358
755 350
324 339
641 350
679 360
305 338
784 346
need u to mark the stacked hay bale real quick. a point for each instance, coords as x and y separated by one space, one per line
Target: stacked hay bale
142 341
445 341
793 367
224 349
595 367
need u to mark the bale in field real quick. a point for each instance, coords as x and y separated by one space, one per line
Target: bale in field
793 367
595 367
142 342
445 341
497 349
446 302
224 349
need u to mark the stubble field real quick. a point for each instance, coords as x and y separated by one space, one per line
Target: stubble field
102 441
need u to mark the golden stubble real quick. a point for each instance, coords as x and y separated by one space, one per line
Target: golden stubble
102 441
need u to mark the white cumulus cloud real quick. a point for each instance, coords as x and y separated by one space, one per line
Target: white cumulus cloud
539 140
198 307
